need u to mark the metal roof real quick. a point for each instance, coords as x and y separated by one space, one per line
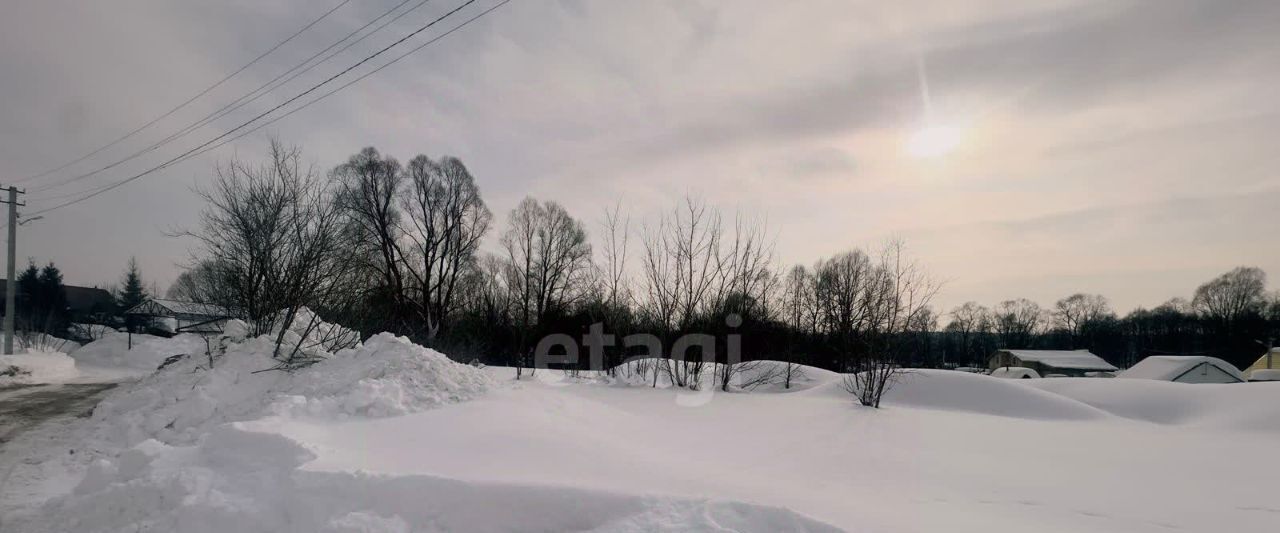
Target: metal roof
1072 359
178 309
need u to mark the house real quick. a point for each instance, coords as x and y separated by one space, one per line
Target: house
89 304
1185 369
1266 368
1073 363
181 317
86 304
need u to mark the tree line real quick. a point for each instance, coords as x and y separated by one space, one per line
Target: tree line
378 245
1231 316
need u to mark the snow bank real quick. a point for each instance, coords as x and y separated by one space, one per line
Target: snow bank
316 337
1265 374
239 480
977 393
30 342
1014 372
386 376
112 350
1247 406
36 367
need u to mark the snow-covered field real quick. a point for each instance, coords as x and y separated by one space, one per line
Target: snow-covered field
393 437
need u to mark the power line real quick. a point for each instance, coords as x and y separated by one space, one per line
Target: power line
352 82
189 100
192 152
255 94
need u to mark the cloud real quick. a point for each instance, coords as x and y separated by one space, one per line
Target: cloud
1079 112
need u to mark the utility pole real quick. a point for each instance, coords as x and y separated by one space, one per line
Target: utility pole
11 290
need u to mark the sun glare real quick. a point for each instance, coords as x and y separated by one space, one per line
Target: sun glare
933 141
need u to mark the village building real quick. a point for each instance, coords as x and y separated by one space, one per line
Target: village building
1185 369
1049 363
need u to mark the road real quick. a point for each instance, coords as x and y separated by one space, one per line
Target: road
26 406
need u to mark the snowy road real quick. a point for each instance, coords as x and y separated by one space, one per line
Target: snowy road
26 406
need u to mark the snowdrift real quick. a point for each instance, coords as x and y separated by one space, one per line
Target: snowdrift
1237 406
763 375
240 480
977 393
36 367
385 376
112 350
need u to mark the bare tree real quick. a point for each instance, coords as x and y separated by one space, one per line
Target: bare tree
798 310
547 257
1016 321
200 284
902 293
694 269
1077 311
272 232
617 232
970 321
368 186
1231 296
448 218
847 294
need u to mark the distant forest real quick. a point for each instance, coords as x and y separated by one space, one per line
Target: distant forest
378 245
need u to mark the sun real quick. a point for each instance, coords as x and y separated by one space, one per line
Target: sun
935 140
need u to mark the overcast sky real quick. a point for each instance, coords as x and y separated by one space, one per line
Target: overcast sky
1123 148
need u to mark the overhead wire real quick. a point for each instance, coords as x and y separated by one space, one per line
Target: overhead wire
188 101
246 98
205 147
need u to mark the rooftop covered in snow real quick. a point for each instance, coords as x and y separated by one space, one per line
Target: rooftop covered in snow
1185 368
178 309
1080 360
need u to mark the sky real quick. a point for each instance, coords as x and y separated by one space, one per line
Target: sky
1115 147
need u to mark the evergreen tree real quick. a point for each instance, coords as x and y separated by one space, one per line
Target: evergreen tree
28 288
50 312
133 292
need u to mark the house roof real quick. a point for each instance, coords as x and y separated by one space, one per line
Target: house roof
1171 367
1072 359
89 298
79 299
178 309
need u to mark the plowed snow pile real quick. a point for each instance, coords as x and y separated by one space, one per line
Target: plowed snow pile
148 351
165 457
36 367
385 376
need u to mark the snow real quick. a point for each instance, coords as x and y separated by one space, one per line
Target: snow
1233 407
112 351
1075 359
1172 367
386 376
36 367
975 393
390 437
1014 372
1265 374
